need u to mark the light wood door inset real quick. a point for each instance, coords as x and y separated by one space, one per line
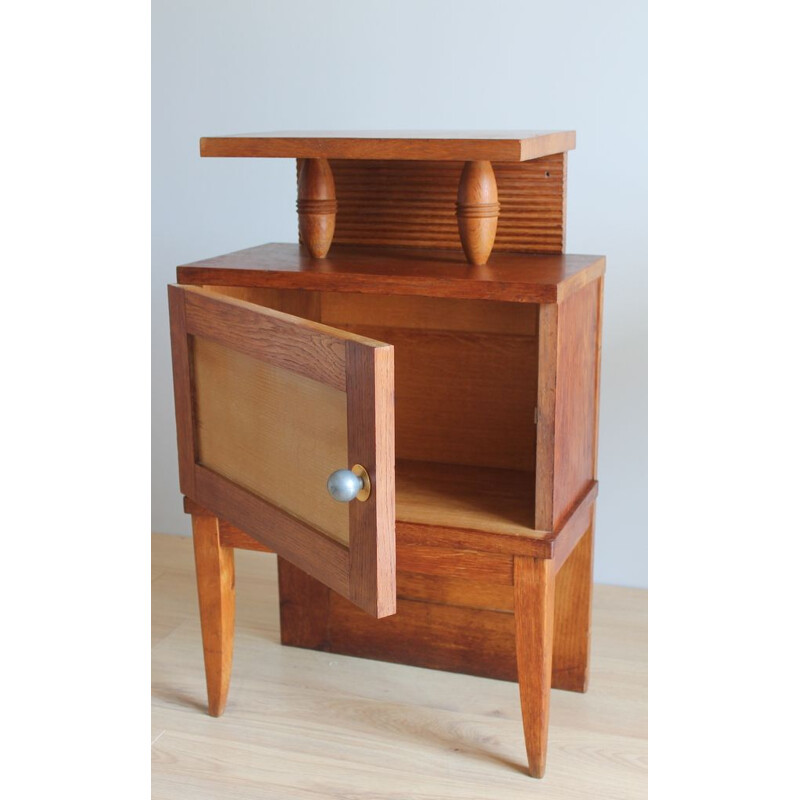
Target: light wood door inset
268 405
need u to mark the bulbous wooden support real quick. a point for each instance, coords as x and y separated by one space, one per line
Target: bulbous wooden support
316 205
477 210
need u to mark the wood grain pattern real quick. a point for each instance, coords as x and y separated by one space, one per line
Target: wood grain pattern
438 145
472 498
513 277
305 546
546 406
263 414
296 344
463 398
575 400
316 205
425 634
573 617
371 443
216 592
451 590
579 518
182 387
598 364
534 601
533 543
276 433
423 618
231 536
297 302
448 561
303 724
425 313
413 204
304 608
477 209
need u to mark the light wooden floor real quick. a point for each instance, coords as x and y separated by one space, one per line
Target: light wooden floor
304 724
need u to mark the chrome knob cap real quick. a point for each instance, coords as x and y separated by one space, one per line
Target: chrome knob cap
345 485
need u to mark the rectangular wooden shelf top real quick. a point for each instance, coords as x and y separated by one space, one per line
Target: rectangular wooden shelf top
513 277
392 145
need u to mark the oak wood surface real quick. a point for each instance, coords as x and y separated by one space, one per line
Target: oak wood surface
575 398
474 498
316 205
217 599
573 617
307 547
477 209
274 432
299 345
304 607
231 399
429 581
525 541
513 277
459 366
546 408
436 145
425 634
449 590
534 606
413 204
339 309
371 444
182 387
302 724
463 398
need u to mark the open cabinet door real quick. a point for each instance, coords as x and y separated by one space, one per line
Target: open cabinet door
268 406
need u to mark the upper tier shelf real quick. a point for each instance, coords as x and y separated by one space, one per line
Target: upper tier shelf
514 277
392 145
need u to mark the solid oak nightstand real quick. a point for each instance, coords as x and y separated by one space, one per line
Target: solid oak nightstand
429 356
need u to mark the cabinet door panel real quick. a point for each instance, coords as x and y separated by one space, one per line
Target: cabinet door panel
268 405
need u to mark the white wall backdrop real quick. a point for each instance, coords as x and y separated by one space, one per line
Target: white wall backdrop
232 66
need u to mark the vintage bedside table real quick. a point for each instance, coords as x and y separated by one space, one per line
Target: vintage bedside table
404 408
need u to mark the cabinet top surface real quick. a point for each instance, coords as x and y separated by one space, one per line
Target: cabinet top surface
392 145
434 273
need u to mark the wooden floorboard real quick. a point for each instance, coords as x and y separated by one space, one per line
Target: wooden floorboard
305 724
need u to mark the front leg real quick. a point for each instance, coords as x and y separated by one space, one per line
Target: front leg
215 589
534 600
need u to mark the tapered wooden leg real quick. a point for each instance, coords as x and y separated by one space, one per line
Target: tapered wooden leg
573 617
215 589
534 599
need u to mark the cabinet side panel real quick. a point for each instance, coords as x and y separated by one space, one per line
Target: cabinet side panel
575 399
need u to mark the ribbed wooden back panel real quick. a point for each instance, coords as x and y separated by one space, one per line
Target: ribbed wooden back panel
413 204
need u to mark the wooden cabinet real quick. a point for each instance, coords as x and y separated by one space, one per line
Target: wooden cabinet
429 337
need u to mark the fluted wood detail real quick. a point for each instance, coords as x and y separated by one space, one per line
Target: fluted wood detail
477 210
316 205
411 204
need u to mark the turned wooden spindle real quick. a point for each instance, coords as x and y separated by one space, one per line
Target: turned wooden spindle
316 205
477 210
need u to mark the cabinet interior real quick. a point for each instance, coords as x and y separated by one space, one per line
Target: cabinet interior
465 398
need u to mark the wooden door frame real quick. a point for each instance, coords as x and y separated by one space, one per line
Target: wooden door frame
364 572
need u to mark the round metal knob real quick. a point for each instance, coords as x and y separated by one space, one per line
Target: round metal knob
345 485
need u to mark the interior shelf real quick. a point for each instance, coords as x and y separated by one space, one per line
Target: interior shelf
477 498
